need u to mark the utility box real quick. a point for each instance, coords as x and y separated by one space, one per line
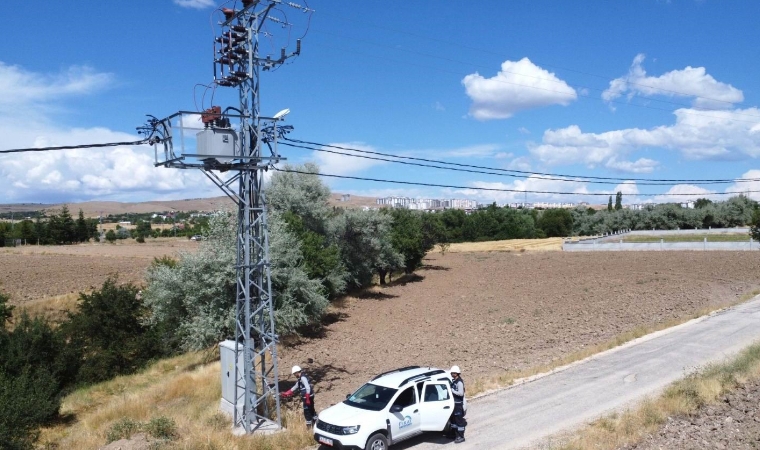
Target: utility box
228 358
217 143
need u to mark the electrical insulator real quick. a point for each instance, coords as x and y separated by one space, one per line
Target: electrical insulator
298 46
211 114
228 13
239 29
282 54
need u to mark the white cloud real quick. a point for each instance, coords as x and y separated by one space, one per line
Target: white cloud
472 151
21 89
676 194
746 186
641 165
523 130
519 86
438 106
715 135
521 163
196 4
118 173
519 186
708 93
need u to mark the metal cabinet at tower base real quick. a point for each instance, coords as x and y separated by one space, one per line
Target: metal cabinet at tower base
227 359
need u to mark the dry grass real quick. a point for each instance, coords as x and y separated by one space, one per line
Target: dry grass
53 309
682 397
509 378
184 389
512 245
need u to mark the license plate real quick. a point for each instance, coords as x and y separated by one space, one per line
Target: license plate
326 441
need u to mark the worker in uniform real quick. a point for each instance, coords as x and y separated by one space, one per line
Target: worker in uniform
307 394
458 422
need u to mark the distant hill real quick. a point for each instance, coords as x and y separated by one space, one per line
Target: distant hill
96 208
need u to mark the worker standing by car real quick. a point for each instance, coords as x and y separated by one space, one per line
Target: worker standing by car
307 394
457 390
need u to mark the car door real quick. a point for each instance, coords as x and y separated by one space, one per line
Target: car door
404 415
436 405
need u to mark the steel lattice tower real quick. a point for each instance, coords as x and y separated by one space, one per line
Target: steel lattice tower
238 64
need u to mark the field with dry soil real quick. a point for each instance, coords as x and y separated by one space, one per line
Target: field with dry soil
32 273
496 312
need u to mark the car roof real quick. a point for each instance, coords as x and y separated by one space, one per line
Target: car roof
400 377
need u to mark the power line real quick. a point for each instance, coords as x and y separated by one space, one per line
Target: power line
508 172
417 183
73 147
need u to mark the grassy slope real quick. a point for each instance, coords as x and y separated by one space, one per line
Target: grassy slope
185 389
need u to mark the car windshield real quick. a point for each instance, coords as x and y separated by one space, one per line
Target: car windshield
371 397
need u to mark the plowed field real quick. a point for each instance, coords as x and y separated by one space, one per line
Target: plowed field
32 273
491 312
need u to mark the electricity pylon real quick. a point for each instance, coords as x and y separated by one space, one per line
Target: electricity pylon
220 148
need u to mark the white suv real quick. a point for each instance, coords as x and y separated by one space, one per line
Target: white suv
392 407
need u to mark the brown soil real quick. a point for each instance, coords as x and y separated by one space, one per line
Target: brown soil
33 272
492 312
734 423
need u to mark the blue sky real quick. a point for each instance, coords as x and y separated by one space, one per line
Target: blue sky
635 89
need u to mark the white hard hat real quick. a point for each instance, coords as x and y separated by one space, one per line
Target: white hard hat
295 369
455 369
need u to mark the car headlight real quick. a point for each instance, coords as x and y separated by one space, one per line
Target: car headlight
351 430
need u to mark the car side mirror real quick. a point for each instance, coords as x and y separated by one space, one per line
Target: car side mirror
396 408
348 396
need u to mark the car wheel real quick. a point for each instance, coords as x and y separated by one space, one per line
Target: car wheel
377 442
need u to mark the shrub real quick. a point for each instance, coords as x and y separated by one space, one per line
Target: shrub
161 428
123 429
108 331
26 402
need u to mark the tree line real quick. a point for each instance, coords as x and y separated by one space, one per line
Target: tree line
57 229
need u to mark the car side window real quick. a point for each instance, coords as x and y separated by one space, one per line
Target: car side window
436 393
406 398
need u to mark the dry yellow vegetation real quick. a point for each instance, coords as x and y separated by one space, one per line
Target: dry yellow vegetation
512 245
185 389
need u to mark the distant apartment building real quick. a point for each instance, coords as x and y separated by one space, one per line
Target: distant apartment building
427 204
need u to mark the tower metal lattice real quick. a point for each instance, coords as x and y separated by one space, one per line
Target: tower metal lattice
231 144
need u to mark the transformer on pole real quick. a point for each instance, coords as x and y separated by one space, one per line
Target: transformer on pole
223 143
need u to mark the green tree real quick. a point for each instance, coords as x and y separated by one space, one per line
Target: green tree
321 260
618 201
702 202
6 310
556 222
754 229
109 331
111 236
61 227
364 238
609 204
81 230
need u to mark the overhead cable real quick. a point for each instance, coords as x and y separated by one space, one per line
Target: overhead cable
507 172
520 191
73 147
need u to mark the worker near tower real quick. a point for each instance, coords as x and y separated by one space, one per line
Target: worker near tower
307 394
